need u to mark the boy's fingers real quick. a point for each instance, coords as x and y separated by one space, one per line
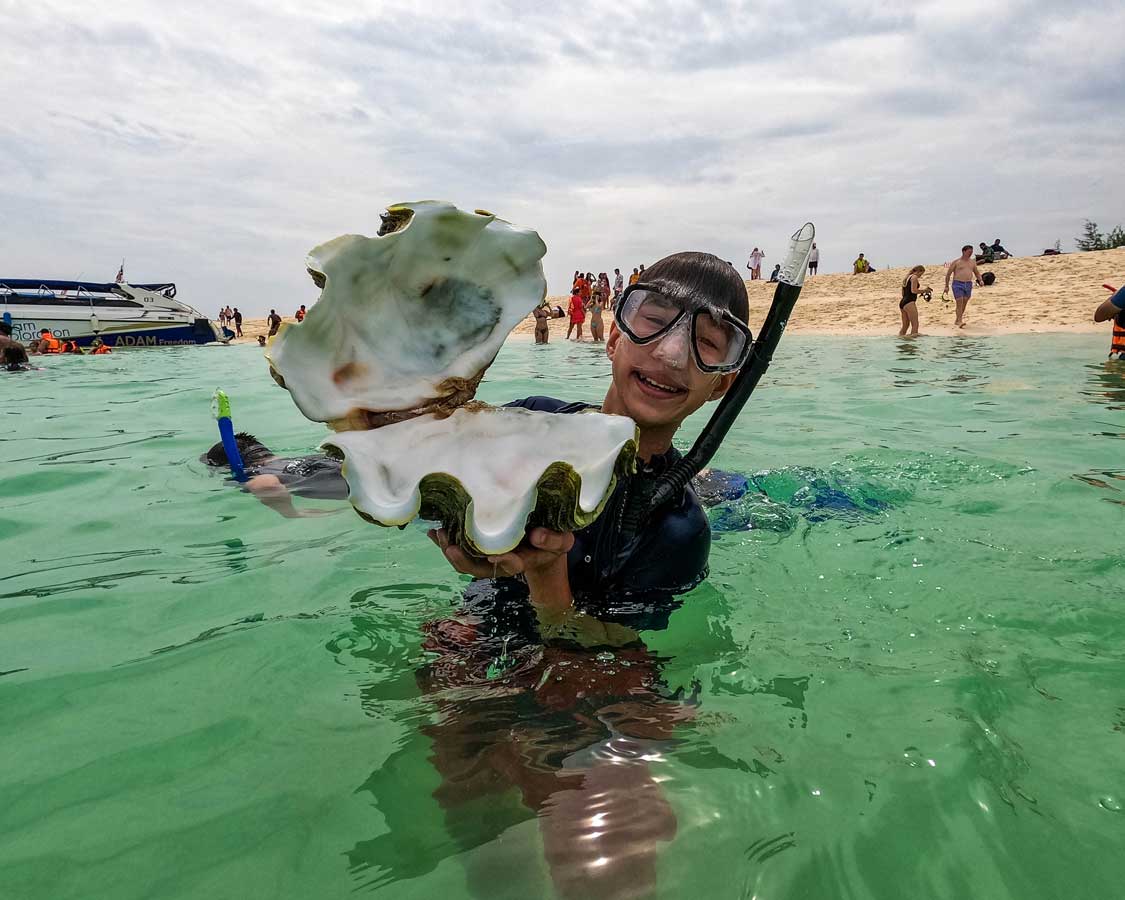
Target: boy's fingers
552 541
506 564
463 564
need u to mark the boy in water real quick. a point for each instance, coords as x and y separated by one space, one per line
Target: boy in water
677 341
964 272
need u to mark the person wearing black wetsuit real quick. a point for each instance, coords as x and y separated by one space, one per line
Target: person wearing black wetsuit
694 306
273 479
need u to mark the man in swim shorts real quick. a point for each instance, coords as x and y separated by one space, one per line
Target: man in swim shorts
274 480
1114 308
963 271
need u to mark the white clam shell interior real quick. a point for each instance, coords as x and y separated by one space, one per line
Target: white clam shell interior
400 314
498 456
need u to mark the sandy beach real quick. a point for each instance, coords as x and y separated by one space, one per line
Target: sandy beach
1032 294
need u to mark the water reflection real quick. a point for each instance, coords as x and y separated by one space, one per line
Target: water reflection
1106 387
952 366
556 717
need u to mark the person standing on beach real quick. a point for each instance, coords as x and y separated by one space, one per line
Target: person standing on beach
577 314
274 321
618 285
635 277
964 272
755 264
237 323
814 259
594 307
542 330
1114 308
908 305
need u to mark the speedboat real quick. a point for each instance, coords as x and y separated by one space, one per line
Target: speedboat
121 314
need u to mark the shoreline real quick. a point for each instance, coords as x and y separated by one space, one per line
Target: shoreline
1032 295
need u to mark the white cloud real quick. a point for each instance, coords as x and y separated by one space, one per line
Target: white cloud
215 144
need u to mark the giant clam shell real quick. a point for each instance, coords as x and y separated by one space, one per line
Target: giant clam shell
407 322
487 473
390 356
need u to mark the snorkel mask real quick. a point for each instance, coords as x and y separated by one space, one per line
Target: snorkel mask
718 340
755 360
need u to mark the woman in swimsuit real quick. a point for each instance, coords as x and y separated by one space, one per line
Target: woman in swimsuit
542 332
594 308
908 305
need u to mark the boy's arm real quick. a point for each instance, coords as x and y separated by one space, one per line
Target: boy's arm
541 559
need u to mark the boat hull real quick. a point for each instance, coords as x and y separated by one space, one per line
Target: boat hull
171 332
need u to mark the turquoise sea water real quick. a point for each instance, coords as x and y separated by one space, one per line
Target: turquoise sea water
905 676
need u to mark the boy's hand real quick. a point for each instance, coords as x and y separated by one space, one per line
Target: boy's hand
540 552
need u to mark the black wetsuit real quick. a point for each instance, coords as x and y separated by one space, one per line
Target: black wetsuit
632 579
621 577
316 477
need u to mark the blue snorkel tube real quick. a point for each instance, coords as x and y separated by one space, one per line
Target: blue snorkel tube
220 409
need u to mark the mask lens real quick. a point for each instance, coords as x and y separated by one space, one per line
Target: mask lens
646 313
718 342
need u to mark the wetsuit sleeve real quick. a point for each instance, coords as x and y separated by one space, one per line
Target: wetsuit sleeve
674 559
643 592
313 477
548 404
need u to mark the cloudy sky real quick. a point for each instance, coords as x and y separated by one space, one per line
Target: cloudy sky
214 144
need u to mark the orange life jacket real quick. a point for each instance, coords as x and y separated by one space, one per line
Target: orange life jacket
299 316
1117 342
48 343
102 348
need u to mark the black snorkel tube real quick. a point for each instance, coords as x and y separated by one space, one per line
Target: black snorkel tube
790 279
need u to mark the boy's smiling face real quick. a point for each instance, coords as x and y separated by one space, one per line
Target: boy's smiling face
658 385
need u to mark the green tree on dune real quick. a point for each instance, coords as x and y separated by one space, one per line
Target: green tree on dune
1092 239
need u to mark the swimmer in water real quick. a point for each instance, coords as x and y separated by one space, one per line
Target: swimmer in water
6 339
274 480
13 358
589 727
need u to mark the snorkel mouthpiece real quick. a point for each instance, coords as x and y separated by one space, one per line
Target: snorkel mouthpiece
220 409
790 280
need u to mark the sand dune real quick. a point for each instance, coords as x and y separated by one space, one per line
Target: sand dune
1031 294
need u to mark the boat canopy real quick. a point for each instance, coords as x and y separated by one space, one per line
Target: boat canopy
34 284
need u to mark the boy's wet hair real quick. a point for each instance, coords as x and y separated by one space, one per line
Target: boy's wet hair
252 450
703 276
